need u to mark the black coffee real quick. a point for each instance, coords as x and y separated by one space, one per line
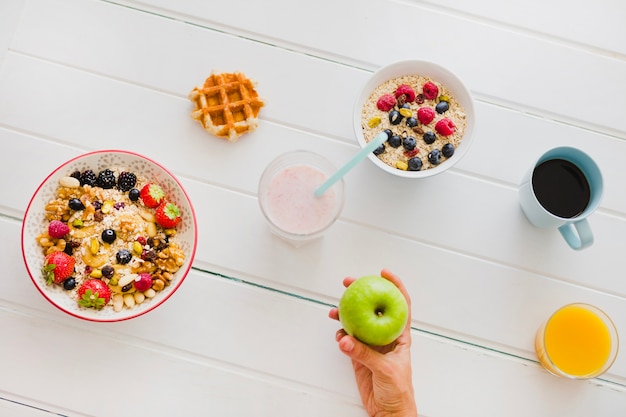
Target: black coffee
561 188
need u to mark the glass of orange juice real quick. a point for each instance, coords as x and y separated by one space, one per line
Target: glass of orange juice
578 341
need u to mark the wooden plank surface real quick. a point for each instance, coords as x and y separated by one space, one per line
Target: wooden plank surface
78 75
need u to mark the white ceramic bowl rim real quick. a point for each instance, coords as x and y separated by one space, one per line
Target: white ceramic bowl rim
437 73
33 223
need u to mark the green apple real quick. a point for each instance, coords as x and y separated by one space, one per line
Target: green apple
373 310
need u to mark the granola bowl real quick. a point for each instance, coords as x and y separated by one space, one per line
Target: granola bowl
427 111
96 244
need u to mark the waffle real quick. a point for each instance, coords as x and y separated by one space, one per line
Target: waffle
227 105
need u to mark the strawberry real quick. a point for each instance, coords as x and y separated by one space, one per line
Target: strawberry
57 267
152 194
57 229
167 215
94 293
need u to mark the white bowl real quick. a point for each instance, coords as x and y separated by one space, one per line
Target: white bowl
35 223
432 71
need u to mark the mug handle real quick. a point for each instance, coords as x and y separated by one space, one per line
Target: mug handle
578 235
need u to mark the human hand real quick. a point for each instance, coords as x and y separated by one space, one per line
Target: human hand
383 373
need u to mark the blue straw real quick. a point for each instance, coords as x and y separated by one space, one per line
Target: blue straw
373 144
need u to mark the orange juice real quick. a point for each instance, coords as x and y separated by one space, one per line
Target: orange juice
578 341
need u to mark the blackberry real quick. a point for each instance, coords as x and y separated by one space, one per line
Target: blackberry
88 177
75 174
106 179
126 181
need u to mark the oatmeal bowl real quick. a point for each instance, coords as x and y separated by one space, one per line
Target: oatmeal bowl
108 236
426 112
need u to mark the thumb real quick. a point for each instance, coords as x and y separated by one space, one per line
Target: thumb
360 352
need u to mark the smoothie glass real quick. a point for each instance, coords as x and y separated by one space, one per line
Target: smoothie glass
579 341
287 196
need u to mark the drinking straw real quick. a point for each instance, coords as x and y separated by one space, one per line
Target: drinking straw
373 144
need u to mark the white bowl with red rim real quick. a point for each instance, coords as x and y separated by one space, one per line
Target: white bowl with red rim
35 223
437 73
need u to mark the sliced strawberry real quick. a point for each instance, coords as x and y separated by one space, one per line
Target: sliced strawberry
57 267
94 293
152 194
167 215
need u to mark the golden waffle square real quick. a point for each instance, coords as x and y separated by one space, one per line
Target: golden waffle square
227 105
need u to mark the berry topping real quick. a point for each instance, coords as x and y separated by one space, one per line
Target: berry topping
57 229
380 149
168 215
386 102
429 137
123 256
143 281
445 127
411 121
69 284
425 115
106 179
152 194
430 90
94 293
407 91
88 177
133 194
447 150
415 164
126 181
395 141
434 157
109 235
395 117
409 143
108 271
75 204
57 267
442 107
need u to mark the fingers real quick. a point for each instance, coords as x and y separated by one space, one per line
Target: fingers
347 281
360 352
334 313
385 273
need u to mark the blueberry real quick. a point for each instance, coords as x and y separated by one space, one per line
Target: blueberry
448 150
123 256
133 194
388 132
434 157
108 235
395 141
405 106
411 122
76 204
415 164
442 107
69 283
380 149
409 143
429 137
108 271
395 117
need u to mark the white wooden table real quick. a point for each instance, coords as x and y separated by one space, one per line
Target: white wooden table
248 333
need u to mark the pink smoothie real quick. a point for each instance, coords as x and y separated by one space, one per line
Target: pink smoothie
292 204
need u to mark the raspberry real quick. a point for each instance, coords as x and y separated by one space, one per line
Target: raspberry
445 127
430 90
425 115
143 281
386 102
408 92
57 229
